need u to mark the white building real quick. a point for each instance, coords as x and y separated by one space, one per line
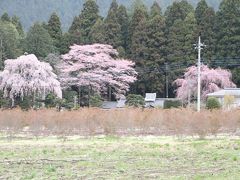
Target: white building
232 95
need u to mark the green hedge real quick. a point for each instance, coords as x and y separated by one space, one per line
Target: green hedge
168 104
213 103
95 101
134 100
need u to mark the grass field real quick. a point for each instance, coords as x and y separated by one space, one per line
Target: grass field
120 158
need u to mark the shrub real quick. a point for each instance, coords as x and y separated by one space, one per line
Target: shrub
213 103
26 103
4 102
168 104
228 101
95 101
135 100
69 95
51 101
69 100
67 105
126 121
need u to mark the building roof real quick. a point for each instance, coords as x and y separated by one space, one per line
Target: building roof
109 105
228 91
150 97
121 103
114 104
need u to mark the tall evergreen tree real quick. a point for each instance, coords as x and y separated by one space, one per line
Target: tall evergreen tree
180 31
64 45
156 42
123 20
5 17
96 34
18 25
156 38
38 41
177 11
181 39
139 17
137 4
200 10
88 18
9 42
189 35
139 53
205 17
138 45
112 27
179 47
54 30
227 32
82 24
155 10
228 29
75 34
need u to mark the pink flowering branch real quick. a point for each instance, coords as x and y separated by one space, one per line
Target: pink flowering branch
211 80
26 75
97 65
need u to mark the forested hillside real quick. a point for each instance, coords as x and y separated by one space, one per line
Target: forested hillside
159 43
31 11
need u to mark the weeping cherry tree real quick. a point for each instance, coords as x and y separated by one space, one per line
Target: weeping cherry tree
212 80
27 76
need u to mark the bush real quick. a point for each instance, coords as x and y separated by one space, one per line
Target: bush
4 102
51 101
213 103
95 101
168 104
135 100
228 101
26 103
69 95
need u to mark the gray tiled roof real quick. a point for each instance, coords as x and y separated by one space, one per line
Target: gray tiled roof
109 104
227 91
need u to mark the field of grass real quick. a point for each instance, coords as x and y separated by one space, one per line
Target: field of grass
109 157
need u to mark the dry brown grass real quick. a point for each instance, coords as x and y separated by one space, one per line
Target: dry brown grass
120 122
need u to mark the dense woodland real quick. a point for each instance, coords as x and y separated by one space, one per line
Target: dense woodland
160 43
30 11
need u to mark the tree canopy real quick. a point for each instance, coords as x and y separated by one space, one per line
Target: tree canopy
38 41
211 80
98 67
26 76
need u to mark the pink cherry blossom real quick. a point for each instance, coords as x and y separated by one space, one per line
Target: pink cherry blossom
97 66
27 75
211 80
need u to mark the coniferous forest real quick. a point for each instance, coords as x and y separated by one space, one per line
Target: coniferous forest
119 89
159 37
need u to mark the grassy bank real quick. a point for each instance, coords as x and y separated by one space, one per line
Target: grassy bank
120 158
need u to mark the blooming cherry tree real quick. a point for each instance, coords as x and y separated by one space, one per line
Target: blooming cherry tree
97 66
211 80
26 75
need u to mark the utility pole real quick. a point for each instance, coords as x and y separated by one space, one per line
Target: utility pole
199 47
166 66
